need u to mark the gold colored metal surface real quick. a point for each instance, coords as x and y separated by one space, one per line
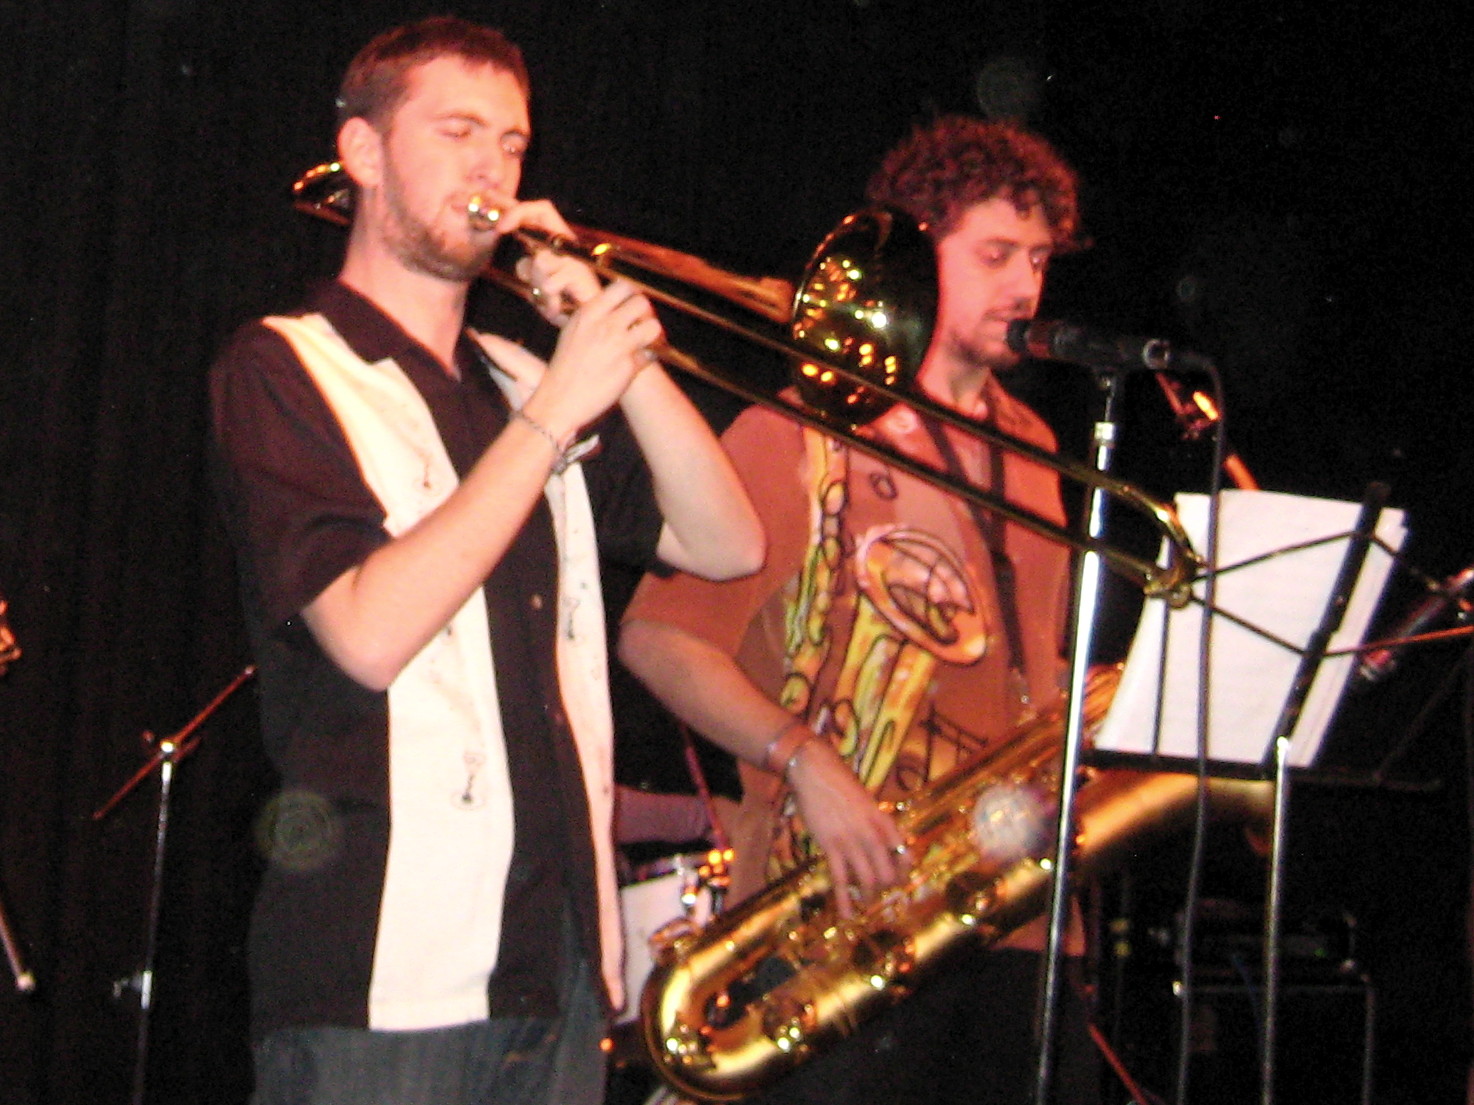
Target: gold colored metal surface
780 976
866 300
856 329
325 191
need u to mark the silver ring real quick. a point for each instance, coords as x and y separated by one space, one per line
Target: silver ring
537 293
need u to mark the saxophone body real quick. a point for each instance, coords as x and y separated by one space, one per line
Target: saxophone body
730 1009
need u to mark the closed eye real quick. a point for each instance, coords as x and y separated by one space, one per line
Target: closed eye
514 144
997 255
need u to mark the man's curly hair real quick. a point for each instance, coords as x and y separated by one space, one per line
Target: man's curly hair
944 168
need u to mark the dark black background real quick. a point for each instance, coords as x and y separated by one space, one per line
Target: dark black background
1278 186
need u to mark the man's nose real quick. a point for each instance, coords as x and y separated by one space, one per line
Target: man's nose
1025 280
491 168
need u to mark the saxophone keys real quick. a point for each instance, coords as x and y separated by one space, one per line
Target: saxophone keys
686 1049
790 1024
886 959
971 897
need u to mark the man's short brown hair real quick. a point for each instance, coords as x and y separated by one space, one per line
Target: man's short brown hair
377 78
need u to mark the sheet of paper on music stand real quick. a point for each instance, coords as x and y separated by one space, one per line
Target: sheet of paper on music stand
1251 675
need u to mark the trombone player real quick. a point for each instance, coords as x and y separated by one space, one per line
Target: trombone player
416 522
894 632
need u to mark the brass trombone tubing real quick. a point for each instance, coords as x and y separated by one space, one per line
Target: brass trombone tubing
1171 580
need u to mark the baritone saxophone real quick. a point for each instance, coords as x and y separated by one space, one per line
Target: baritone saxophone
729 1009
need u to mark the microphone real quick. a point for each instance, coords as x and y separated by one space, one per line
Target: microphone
1065 341
1451 595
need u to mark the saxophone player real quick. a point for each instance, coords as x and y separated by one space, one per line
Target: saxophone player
893 632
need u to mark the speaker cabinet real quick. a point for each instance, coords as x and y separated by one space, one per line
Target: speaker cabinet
1324 1031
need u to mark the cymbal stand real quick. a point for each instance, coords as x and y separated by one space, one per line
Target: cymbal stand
168 751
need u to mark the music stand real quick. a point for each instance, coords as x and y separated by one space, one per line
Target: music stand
1300 580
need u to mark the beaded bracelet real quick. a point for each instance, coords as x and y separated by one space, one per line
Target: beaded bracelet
785 746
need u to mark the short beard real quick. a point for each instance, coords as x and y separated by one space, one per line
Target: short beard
420 249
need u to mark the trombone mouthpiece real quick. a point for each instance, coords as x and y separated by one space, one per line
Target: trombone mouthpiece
483 214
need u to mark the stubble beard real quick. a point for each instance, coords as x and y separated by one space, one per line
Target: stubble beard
973 356
423 249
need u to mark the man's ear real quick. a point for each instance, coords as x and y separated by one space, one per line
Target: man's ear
361 150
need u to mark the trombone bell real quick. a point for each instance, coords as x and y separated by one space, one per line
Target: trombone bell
867 300
325 191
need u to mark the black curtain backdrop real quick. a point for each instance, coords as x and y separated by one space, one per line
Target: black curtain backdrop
1276 188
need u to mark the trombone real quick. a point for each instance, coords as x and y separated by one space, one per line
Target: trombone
857 328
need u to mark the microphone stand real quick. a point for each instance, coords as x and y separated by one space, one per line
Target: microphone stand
1087 599
168 751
